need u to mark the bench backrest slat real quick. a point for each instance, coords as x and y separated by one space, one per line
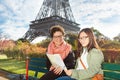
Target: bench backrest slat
112 75
37 64
38 69
111 66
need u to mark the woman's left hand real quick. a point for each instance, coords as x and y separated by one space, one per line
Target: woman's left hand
68 72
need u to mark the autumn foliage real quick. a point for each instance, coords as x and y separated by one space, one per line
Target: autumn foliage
19 49
111 51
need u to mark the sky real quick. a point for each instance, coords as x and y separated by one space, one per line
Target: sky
103 15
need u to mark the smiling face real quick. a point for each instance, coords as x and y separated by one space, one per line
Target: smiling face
83 39
58 38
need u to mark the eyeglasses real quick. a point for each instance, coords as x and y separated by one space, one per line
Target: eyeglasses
60 36
83 38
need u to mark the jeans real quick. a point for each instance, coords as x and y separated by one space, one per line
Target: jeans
65 78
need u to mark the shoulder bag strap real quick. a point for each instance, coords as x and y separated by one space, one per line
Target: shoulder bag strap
82 64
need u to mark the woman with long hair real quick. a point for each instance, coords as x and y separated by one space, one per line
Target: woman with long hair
89 59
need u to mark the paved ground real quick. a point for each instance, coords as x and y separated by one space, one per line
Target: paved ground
2 78
3 75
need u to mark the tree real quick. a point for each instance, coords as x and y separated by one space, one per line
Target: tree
71 38
23 40
117 38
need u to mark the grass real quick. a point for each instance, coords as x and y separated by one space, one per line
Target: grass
15 66
3 56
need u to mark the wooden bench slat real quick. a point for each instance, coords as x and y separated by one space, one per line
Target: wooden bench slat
38 59
111 66
112 75
37 64
106 78
38 69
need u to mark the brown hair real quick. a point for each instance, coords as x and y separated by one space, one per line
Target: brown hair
92 41
55 28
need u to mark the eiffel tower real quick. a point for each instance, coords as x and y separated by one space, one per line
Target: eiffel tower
52 12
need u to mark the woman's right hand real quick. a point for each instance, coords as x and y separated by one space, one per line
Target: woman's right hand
51 68
56 69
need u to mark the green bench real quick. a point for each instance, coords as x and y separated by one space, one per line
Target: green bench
111 71
37 65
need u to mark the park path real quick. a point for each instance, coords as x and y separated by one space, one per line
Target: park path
3 75
2 78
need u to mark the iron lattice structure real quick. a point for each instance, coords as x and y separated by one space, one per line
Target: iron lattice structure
52 12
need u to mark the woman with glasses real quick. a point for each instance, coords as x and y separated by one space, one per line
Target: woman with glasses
58 46
89 59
